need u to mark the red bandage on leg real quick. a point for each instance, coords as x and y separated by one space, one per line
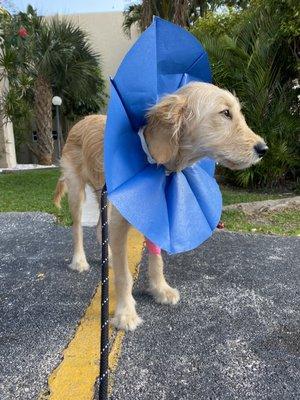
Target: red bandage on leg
153 249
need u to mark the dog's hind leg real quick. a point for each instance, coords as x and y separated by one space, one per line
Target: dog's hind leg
125 315
162 292
76 195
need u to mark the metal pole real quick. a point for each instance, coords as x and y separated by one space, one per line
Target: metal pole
104 345
58 131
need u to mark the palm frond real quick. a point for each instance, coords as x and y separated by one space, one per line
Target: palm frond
252 60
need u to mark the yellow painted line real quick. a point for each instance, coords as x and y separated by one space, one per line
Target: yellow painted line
75 376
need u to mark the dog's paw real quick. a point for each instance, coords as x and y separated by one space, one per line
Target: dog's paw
79 265
165 295
128 321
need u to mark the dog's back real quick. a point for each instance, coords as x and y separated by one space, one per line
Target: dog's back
82 156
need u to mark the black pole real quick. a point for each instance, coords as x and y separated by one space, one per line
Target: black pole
104 345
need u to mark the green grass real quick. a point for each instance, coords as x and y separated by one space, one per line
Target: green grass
33 191
280 223
234 195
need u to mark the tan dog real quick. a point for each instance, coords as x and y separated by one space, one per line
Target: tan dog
199 120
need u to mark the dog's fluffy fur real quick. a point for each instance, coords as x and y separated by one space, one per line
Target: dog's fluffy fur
199 120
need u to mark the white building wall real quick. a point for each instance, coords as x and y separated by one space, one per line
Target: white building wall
7 140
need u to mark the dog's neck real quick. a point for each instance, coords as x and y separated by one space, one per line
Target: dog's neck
145 147
186 155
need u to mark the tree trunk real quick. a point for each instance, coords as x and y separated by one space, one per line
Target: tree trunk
147 14
203 7
43 118
181 12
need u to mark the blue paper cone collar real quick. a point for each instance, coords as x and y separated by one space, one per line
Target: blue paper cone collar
178 211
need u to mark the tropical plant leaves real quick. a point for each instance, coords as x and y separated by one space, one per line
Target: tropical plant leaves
252 59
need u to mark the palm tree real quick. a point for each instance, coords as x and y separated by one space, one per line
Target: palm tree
132 16
177 11
53 57
15 103
181 12
64 65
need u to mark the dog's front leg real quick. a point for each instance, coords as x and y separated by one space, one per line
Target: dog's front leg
125 315
162 292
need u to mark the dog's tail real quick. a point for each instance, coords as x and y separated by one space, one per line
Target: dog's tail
60 190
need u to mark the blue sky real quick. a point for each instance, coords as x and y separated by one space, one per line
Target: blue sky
49 7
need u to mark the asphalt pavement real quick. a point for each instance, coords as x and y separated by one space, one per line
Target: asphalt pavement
235 334
41 299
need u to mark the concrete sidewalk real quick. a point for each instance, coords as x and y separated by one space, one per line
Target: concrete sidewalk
235 333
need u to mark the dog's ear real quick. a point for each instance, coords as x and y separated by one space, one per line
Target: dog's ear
165 123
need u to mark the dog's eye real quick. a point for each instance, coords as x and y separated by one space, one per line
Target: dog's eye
226 113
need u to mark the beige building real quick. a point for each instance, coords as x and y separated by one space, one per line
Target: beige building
107 37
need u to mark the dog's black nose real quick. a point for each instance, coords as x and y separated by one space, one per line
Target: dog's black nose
261 149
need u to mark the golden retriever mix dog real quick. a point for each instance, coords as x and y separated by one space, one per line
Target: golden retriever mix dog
199 120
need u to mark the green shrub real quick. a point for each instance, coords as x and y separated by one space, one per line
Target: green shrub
54 54
252 53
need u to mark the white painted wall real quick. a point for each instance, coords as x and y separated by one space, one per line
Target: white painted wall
7 140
